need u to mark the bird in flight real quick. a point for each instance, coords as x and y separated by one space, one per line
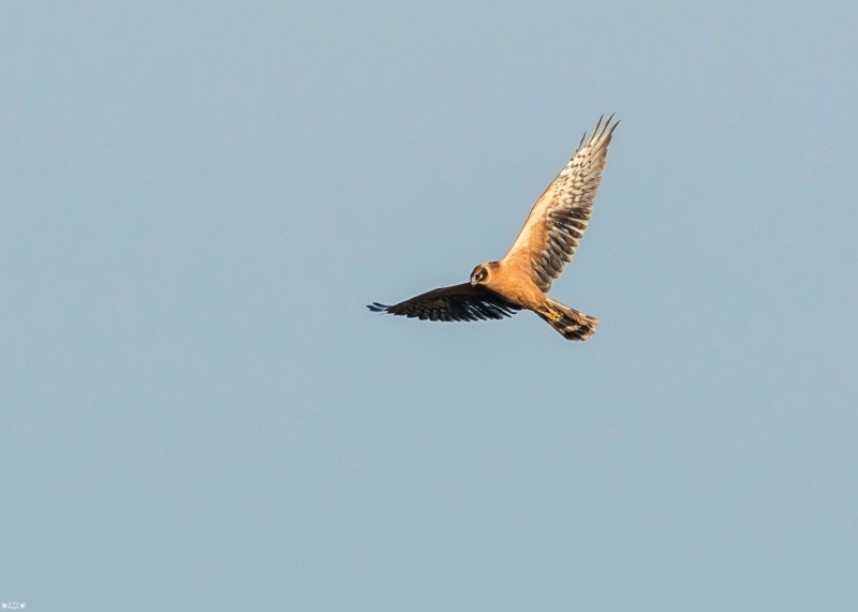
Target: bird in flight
544 245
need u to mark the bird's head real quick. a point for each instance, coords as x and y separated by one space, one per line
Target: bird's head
480 274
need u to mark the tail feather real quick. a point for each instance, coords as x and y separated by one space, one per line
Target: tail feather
570 323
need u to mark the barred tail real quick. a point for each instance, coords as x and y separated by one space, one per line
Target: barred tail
570 323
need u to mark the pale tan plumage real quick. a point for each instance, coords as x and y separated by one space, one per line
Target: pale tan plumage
543 247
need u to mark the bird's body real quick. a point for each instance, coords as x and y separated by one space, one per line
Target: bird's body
548 240
510 280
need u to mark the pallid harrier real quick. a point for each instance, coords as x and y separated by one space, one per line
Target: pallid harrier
544 246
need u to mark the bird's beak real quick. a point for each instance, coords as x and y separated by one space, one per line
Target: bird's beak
473 282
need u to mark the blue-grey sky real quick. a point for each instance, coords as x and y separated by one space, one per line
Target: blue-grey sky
198 413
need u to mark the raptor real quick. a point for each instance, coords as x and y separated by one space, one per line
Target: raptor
546 243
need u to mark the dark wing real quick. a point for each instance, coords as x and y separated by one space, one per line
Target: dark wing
457 303
557 221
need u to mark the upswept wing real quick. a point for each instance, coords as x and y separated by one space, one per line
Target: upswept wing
458 303
557 221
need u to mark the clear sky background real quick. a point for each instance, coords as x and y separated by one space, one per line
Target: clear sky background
198 413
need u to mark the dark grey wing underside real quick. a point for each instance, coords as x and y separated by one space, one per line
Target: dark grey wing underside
458 303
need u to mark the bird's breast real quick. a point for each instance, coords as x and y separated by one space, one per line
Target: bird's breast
516 286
